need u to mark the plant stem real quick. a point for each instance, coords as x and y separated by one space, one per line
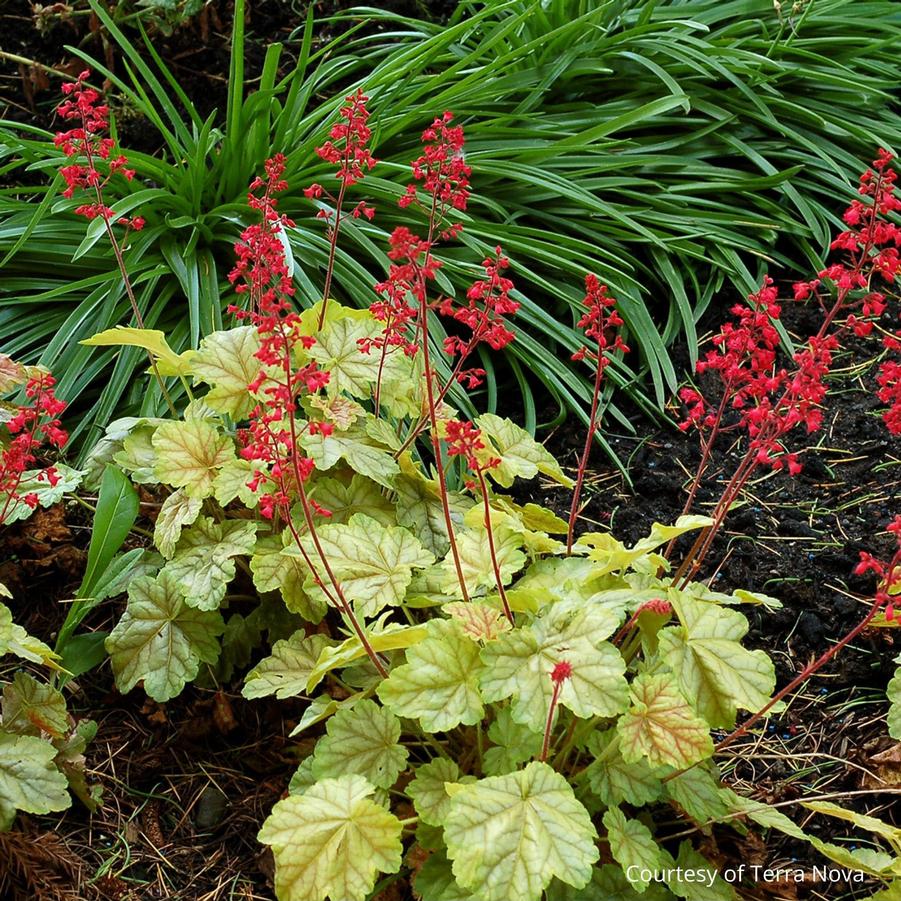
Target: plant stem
491 548
549 724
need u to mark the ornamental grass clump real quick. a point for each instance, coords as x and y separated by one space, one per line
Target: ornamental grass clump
503 710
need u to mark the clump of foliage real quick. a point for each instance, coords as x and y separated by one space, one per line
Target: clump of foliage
506 714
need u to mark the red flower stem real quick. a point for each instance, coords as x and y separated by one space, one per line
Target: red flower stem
383 355
549 724
333 243
586 451
491 549
430 396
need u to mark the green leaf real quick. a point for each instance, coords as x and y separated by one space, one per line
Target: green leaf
710 665
29 779
476 563
287 669
33 482
373 563
117 510
337 352
373 462
151 340
698 793
274 571
362 739
231 482
226 360
204 564
633 847
427 790
519 665
478 621
521 455
360 495
508 836
160 639
661 727
15 640
330 841
893 690
615 781
177 511
189 455
439 683
514 744
31 707
419 508
695 878
435 881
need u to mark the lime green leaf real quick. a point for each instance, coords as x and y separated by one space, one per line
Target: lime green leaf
479 621
29 779
226 360
695 878
362 739
337 352
419 508
373 462
177 511
152 340
303 778
204 563
189 455
284 673
6 621
320 709
339 410
698 793
435 881
373 563
31 707
893 690
555 579
521 455
137 455
275 571
360 495
514 744
613 886
661 727
710 665
476 563
439 683
15 640
392 637
633 847
614 781
519 664
508 836
427 789
160 639
34 482
330 841
231 482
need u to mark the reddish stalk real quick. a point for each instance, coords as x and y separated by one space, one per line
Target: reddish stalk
560 673
491 549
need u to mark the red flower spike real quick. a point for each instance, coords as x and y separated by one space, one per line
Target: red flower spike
561 672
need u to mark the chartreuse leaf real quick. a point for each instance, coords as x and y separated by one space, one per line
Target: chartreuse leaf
29 779
508 836
633 847
710 665
204 564
428 792
275 571
476 562
699 794
479 621
286 670
355 448
520 454
189 455
15 640
152 340
360 495
373 563
514 744
6 621
177 511
227 362
160 639
435 880
695 878
391 638
362 739
337 351
893 690
519 664
661 727
33 481
613 780
613 886
31 707
330 841
232 482
439 683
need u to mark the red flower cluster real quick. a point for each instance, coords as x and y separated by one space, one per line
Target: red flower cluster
889 380
600 322
262 272
487 302
86 140
30 426
442 169
465 440
347 148
561 672
888 573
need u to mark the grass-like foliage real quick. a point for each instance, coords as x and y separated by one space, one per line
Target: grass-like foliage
676 149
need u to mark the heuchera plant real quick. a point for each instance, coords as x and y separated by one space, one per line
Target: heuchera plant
502 715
